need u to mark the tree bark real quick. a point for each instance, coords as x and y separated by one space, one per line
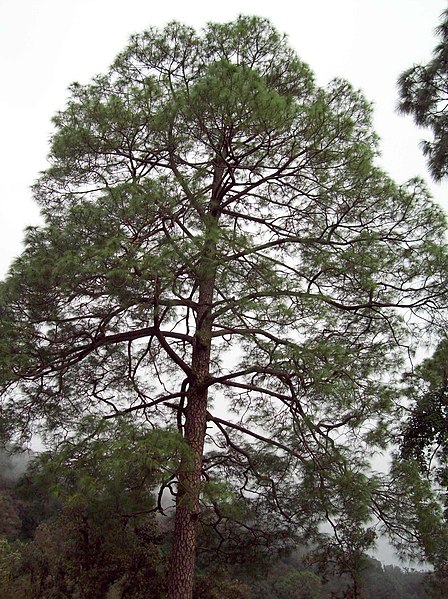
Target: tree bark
183 556
189 482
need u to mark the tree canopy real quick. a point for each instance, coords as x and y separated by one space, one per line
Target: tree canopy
423 94
222 257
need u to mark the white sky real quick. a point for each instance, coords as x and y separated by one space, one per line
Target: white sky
47 44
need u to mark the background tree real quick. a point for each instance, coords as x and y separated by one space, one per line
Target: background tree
220 254
103 536
424 435
298 585
424 444
423 94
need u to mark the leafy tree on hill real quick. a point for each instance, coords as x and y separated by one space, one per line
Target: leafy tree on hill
220 254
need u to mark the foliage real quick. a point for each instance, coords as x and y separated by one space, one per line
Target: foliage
298 585
111 468
227 260
90 543
103 536
436 582
425 435
9 513
391 582
9 559
214 584
72 555
424 444
423 94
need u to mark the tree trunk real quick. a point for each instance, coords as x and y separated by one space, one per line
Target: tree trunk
189 483
183 557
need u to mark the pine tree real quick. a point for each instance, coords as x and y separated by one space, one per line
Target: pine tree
220 254
423 94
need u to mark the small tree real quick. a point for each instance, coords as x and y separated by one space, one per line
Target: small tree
220 254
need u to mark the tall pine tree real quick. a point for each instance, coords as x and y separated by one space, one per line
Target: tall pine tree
220 254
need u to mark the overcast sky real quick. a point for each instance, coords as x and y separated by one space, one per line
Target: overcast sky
47 44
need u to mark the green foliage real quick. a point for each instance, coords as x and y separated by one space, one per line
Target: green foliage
424 435
73 555
423 442
214 584
107 469
103 537
89 544
391 582
409 506
436 583
298 585
423 94
9 560
9 515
